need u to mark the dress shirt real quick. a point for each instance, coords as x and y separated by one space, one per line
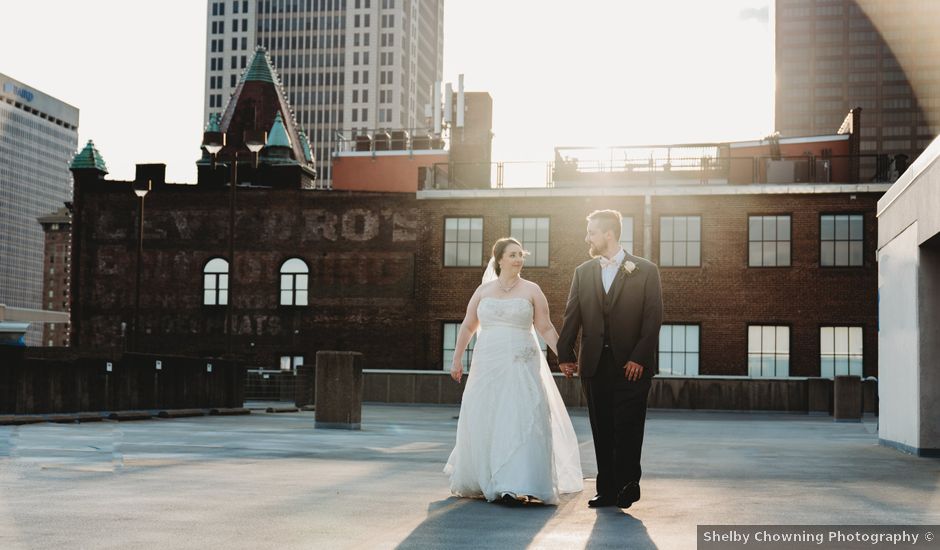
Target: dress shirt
609 269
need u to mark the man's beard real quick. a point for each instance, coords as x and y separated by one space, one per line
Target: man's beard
594 252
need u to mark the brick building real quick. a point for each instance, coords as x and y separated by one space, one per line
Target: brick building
767 260
56 263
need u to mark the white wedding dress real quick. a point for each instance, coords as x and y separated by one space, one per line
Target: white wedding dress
514 434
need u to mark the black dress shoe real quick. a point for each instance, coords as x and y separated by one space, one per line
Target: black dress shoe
508 499
629 494
600 501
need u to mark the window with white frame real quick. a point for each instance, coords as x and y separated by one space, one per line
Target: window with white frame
463 242
680 241
291 362
626 233
768 241
679 350
840 351
768 351
450 344
294 277
215 283
841 240
533 234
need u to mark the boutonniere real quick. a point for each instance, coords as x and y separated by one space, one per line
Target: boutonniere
628 268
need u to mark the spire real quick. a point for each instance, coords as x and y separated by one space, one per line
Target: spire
213 125
259 103
259 70
278 137
308 155
88 158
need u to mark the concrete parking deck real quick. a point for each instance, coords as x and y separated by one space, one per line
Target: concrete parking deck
273 481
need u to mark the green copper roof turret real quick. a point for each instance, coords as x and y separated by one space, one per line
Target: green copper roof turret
306 146
213 125
278 137
260 68
89 157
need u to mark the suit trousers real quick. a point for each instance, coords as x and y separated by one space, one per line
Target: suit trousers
617 408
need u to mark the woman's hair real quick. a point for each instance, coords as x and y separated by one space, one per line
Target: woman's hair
499 247
608 220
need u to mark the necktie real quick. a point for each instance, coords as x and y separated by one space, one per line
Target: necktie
605 262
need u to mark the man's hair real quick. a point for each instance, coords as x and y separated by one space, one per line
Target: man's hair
607 220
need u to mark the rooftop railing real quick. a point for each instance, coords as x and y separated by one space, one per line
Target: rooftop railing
384 139
669 170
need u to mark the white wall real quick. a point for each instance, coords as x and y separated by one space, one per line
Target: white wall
898 352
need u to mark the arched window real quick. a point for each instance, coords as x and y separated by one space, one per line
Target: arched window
294 282
215 283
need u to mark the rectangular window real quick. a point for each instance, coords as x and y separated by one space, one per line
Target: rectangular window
768 240
463 242
215 289
679 350
533 234
841 240
840 351
291 362
680 241
626 233
768 351
450 343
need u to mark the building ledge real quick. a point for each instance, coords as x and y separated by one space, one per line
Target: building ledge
659 190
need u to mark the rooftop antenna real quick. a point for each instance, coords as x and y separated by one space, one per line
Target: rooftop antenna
436 103
448 103
460 101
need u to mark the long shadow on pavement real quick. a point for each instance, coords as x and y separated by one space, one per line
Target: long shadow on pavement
615 529
472 523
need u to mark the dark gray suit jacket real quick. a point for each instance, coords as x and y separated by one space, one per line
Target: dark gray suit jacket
636 313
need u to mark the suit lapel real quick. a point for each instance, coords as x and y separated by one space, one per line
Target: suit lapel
598 283
619 280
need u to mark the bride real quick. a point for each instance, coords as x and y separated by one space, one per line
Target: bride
515 442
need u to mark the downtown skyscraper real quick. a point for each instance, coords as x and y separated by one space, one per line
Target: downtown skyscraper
38 137
835 55
346 66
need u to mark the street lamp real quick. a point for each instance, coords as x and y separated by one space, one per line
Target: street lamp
141 193
214 143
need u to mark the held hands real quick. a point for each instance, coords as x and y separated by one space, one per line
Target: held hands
569 369
456 370
632 371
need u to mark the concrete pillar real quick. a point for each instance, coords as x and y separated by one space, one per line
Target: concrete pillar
339 390
818 395
847 399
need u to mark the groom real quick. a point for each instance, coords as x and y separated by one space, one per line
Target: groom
616 302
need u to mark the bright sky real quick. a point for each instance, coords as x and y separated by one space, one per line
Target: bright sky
608 72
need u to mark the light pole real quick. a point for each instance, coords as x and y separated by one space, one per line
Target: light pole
141 193
214 143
